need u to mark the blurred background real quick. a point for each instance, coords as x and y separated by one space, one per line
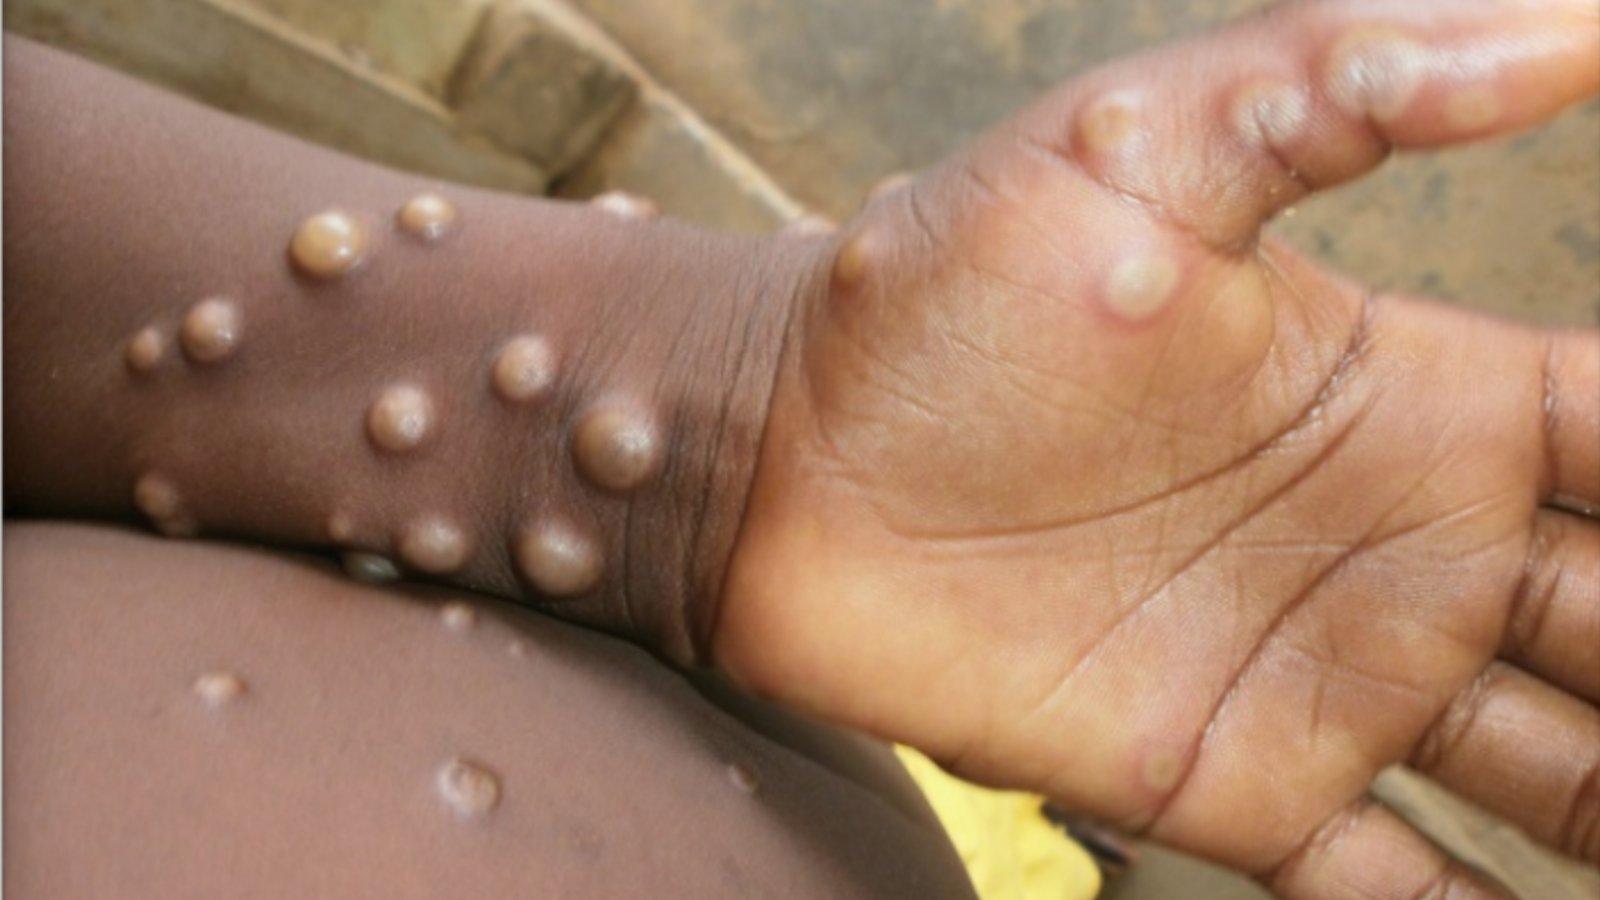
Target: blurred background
744 114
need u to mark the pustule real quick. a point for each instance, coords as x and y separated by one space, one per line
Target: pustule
524 370
1141 284
434 544
617 446
157 496
1109 123
401 418
330 244
427 216
211 330
558 558
1375 72
624 205
144 351
1270 115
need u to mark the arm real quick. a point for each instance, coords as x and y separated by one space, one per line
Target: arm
1068 477
125 207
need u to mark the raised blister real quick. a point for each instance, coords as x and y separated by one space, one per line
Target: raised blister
558 559
211 330
434 544
1140 285
144 350
427 216
524 369
401 418
329 244
468 788
617 447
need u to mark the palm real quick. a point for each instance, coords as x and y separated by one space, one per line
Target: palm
1145 506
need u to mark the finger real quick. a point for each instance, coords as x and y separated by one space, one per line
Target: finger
1554 628
1367 851
1525 750
1572 419
1218 133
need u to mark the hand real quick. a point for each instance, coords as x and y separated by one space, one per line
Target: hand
1077 482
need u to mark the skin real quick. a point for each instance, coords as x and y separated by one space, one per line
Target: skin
1235 547
194 720
1064 474
342 388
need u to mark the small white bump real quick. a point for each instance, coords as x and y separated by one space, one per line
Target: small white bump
218 688
468 788
743 778
1376 73
211 330
401 418
809 225
626 206
1272 115
329 245
434 545
458 616
427 216
1141 285
1109 122
144 350
341 526
158 498
524 369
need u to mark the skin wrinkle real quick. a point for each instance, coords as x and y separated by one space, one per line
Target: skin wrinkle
670 279
1274 153
1018 210
1329 833
1458 717
1522 629
1017 377
1297 601
1158 214
1346 361
1548 412
889 327
1586 798
795 296
1131 612
1441 882
699 634
630 539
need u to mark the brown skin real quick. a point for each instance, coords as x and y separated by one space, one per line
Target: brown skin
1236 554
162 203
318 779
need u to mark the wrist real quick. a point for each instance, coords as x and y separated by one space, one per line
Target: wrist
697 361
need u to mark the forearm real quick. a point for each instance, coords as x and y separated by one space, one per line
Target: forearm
126 207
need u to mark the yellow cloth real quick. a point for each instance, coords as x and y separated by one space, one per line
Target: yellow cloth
1011 851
